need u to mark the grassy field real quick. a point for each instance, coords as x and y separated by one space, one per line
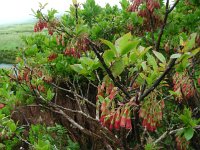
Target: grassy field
10 40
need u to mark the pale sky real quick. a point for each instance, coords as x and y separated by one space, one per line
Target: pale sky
12 11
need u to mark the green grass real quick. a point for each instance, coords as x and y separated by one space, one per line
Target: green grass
10 40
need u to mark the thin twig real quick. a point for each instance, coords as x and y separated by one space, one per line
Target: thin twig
167 12
157 82
86 100
170 133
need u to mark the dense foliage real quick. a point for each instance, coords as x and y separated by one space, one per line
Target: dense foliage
126 77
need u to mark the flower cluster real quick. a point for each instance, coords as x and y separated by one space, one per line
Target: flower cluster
183 86
151 113
147 13
111 117
80 47
150 4
52 56
27 75
40 25
72 52
60 40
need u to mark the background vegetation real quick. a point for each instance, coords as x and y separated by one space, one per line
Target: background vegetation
10 40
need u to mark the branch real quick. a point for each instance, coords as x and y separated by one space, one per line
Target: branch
73 111
81 128
102 132
79 96
173 6
169 133
167 12
95 48
76 12
157 82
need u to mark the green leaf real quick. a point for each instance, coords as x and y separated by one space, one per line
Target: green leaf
190 43
109 44
50 94
86 61
109 56
185 119
175 56
143 76
144 65
100 98
188 133
127 46
160 56
12 126
122 42
152 61
77 67
195 51
118 67
144 51
133 57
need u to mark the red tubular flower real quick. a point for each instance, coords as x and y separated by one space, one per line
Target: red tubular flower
2 105
112 118
50 32
103 85
63 42
159 115
124 118
117 124
103 106
162 103
141 113
26 75
112 94
99 90
109 88
57 40
117 120
128 123
67 52
41 88
111 126
123 121
152 128
198 80
144 122
52 57
102 118
39 73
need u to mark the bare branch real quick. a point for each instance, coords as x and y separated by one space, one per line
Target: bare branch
66 90
157 82
170 133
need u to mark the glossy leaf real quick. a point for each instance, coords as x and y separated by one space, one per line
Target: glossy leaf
118 67
108 56
175 56
188 133
109 44
160 56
